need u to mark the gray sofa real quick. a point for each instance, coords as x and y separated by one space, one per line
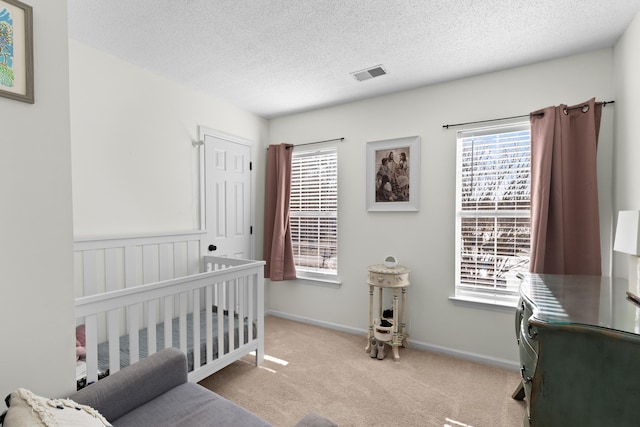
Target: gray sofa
155 392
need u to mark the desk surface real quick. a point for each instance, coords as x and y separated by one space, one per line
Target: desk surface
585 300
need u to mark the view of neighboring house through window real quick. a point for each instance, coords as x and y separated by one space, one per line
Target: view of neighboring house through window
314 213
493 212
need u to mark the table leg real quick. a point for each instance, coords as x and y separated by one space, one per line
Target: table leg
403 325
370 333
518 393
396 354
394 339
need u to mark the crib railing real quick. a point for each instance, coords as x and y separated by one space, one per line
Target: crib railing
108 263
235 289
128 285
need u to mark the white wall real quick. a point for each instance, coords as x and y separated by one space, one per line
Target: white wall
627 132
424 241
134 168
36 265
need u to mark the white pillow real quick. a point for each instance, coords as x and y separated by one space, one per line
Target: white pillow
29 410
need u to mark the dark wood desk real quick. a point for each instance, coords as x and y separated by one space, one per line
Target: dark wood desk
579 341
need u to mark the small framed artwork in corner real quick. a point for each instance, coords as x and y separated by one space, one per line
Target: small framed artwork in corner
16 51
393 174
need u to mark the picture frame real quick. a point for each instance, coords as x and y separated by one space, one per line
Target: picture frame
16 51
394 187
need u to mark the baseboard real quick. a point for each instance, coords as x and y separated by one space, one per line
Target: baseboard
328 325
474 357
487 360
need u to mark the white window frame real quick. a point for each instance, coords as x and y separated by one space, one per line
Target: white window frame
327 211
481 283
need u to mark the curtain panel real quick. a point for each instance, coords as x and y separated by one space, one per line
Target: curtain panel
277 247
565 224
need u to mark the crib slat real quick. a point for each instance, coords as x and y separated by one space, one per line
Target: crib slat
165 261
221 307
130 266
193 257
208 305
110 269
251 304
196 329
241 309
182 322
133 321
168 315
91 345
113 334
152 320
231 317
180 261
90 272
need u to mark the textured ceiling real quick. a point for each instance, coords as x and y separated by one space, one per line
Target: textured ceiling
277 57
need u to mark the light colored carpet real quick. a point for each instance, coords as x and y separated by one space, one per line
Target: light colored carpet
328 372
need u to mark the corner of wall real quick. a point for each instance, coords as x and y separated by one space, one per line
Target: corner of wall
36 260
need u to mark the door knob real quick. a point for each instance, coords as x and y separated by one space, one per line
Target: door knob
212 248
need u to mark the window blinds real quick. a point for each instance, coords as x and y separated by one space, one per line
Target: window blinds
493 211
314 210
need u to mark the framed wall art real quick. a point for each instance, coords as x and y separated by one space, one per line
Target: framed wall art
393 174
16 51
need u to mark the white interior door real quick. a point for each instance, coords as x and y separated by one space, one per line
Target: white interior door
227 179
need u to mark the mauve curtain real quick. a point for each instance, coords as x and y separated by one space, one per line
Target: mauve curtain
565 224
278 251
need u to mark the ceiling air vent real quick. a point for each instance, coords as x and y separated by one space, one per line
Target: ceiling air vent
369 73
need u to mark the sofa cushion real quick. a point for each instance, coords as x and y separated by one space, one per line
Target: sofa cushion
27 409
189 404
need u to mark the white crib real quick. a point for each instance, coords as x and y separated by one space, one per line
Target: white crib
137 295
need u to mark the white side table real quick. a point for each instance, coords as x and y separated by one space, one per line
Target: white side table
397 279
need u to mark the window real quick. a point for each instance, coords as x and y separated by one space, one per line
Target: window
493 212
314 213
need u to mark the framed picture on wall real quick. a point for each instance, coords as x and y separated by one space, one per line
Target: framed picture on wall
16 51
393 174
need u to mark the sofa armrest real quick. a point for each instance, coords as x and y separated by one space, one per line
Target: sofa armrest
135 385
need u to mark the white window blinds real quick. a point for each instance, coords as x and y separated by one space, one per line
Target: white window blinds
493 212
314 212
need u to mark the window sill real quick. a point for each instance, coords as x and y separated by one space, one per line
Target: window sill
485 303
316 280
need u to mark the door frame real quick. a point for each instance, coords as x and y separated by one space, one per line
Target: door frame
204 132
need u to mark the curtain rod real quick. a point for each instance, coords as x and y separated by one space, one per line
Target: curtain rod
604 103
315 142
